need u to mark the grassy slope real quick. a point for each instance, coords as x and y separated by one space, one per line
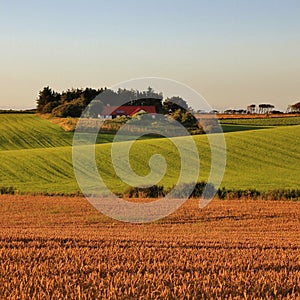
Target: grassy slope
264 159
25 131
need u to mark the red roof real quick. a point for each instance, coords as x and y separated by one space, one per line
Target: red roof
127 110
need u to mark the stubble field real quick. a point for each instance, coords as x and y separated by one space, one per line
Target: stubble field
62 248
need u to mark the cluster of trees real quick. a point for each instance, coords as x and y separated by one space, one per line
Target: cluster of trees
264 108
294 108
269 108
72 103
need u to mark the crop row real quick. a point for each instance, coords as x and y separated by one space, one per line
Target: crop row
131 270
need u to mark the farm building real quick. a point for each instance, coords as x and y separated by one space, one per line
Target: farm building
111 112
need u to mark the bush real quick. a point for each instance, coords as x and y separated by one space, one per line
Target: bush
201 190
7 190
155 191
207 190
281 194
238 194
73 109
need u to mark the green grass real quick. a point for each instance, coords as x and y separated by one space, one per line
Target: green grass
264 159
237 127
26 131
286 121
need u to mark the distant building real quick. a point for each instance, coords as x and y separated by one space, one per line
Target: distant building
112 112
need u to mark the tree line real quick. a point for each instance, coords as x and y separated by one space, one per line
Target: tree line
264 108
73 102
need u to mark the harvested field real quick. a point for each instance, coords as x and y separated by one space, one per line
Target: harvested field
62 248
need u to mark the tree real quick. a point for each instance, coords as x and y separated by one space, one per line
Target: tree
294 107
265 108
70 95
95 108
89 94
73 109
47 100
170 105
185 118
251 109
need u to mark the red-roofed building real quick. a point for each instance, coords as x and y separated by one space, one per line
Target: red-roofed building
111 112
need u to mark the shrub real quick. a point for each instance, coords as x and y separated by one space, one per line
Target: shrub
154 191
7 190
207 191
72 109
200 190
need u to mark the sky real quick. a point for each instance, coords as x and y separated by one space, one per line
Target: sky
233 53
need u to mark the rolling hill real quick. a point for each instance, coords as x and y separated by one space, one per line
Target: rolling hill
26 131
263 159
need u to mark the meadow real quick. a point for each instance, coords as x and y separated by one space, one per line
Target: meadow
62 248
264 159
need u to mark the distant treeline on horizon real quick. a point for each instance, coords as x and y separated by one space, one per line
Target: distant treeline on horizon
18 111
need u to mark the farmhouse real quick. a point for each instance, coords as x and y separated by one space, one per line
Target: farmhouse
111 112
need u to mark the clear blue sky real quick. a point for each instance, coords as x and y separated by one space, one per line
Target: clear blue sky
232 52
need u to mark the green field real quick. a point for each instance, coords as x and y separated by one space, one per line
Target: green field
238 127
262 122
25 131
36 156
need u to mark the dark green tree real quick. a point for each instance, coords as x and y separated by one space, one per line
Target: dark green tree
47 100
73 109
95 108
185 118
170 105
